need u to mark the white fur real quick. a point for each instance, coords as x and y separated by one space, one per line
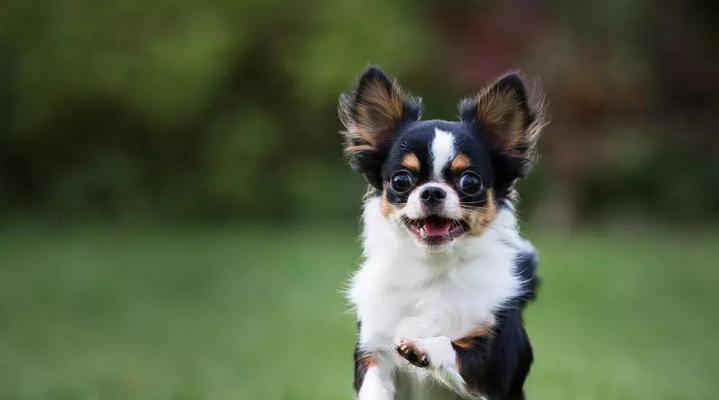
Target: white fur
443 152
404 290
451 204
443 363
377 385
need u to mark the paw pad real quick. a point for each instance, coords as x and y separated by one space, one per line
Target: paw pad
409 351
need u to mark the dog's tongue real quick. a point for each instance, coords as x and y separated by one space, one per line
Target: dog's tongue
437 226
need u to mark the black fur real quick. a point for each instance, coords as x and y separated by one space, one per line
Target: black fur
497 365
417 138
410 134
527 271
360 369
369 163
360 364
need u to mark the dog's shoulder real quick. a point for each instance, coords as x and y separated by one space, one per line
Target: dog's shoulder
526 265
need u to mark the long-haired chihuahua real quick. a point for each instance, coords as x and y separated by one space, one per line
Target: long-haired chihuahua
446 274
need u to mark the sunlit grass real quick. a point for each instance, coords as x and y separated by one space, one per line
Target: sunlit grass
200 313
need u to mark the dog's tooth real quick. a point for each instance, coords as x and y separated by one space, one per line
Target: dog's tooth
422 232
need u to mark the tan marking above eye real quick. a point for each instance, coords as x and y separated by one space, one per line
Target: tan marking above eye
459 164
411 162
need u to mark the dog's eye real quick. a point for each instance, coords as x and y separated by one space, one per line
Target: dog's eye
470 183
401 181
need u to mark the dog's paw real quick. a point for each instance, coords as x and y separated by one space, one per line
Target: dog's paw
409 351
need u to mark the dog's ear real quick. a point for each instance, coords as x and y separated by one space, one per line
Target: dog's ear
509 120
371 115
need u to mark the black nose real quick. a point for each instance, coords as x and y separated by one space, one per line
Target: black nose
432 195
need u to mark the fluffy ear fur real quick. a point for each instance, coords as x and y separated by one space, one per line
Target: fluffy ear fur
371 115
510 122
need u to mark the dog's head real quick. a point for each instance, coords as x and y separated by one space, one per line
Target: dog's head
440 180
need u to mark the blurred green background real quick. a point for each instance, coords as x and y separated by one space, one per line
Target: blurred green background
177 220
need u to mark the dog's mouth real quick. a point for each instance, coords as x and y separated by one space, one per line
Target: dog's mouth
435 230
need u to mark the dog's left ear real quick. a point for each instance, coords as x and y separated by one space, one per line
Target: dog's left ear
372 115
509 121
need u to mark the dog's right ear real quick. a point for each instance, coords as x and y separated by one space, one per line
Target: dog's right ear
371 115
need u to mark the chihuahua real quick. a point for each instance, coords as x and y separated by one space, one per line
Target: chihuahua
446 275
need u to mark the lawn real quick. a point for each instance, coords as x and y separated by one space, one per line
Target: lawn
257 313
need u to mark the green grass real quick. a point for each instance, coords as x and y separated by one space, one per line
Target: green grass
224 313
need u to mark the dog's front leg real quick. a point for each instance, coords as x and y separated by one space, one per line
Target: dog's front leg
374 378
449 361
463 364
438 357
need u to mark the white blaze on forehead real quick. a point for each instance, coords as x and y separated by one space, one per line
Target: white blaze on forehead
442 150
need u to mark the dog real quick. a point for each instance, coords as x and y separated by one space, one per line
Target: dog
446 274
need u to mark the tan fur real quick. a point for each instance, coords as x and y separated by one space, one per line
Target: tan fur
375 117
508 126
369 360
466 342
387 208
411 162
503 117
459 164
480 218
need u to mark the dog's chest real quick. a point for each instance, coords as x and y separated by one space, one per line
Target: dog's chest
449 304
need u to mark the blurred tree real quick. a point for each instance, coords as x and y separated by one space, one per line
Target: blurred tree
227 108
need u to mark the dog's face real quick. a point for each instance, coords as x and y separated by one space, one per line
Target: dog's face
440 181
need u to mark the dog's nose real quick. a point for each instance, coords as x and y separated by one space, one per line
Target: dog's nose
432 195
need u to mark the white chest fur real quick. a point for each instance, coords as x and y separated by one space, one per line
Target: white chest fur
403 291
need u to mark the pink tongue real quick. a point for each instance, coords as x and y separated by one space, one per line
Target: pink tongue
437 227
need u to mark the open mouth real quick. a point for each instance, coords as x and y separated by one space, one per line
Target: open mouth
436 230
